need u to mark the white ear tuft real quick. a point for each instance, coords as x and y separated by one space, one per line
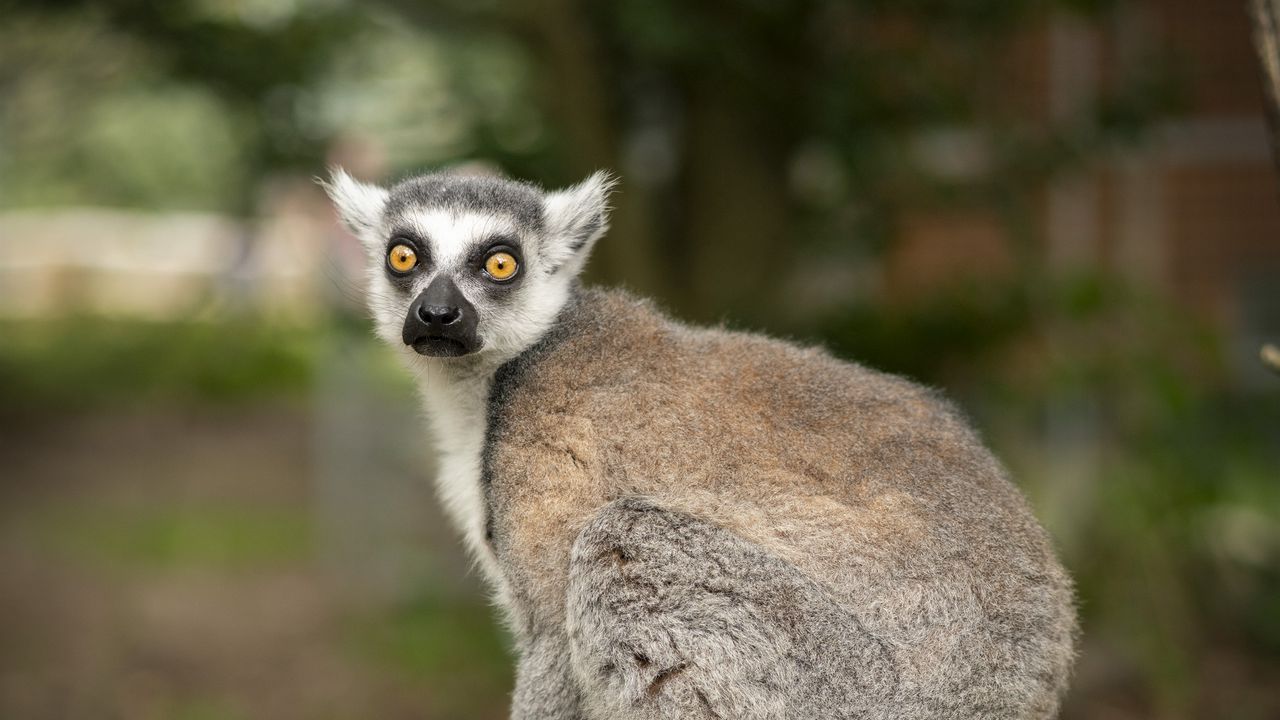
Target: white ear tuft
576 218
359 204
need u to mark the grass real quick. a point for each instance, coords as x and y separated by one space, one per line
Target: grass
454 647
92 362
165 538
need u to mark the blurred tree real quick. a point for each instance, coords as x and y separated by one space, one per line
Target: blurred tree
259 60
756 139
752 133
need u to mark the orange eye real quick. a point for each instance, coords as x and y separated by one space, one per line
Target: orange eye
500 265
402 258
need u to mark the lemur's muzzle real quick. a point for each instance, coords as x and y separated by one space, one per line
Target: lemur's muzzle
441 322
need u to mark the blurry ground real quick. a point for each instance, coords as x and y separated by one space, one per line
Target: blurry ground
144 580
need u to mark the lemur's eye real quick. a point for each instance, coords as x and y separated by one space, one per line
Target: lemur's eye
402 258
500 265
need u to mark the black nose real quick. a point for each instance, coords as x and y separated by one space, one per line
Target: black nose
439 314
441 322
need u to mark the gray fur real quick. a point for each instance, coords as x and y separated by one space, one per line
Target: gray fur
671 616
469 194
716 524
694 523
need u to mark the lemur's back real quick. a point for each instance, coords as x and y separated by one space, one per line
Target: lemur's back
865 483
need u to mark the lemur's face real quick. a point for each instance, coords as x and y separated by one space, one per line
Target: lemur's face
467 265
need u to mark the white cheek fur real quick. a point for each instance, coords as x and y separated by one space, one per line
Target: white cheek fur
386 306
519 322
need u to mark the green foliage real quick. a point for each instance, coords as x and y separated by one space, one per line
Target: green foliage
808 115
176 92
141 143
90 361
927 339
205 709
433 98
453 647
84 120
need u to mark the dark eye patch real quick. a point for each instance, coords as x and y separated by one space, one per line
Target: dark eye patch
497 291
408 237
501 241
419 245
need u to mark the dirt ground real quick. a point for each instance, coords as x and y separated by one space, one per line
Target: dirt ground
162 563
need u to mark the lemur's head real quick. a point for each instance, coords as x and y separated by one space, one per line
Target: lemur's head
470 265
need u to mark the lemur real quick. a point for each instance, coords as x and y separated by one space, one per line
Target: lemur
684 522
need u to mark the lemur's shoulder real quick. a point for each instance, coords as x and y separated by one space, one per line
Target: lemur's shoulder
610 347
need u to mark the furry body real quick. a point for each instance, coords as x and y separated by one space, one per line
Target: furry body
696 523
879 565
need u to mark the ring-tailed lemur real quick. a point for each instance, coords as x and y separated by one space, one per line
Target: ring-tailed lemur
695 523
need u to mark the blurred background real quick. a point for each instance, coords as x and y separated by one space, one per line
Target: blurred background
215 497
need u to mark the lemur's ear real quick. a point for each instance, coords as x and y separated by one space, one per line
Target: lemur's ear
359 204
576 218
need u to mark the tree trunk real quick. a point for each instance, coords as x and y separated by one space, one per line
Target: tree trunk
575 84
734 211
